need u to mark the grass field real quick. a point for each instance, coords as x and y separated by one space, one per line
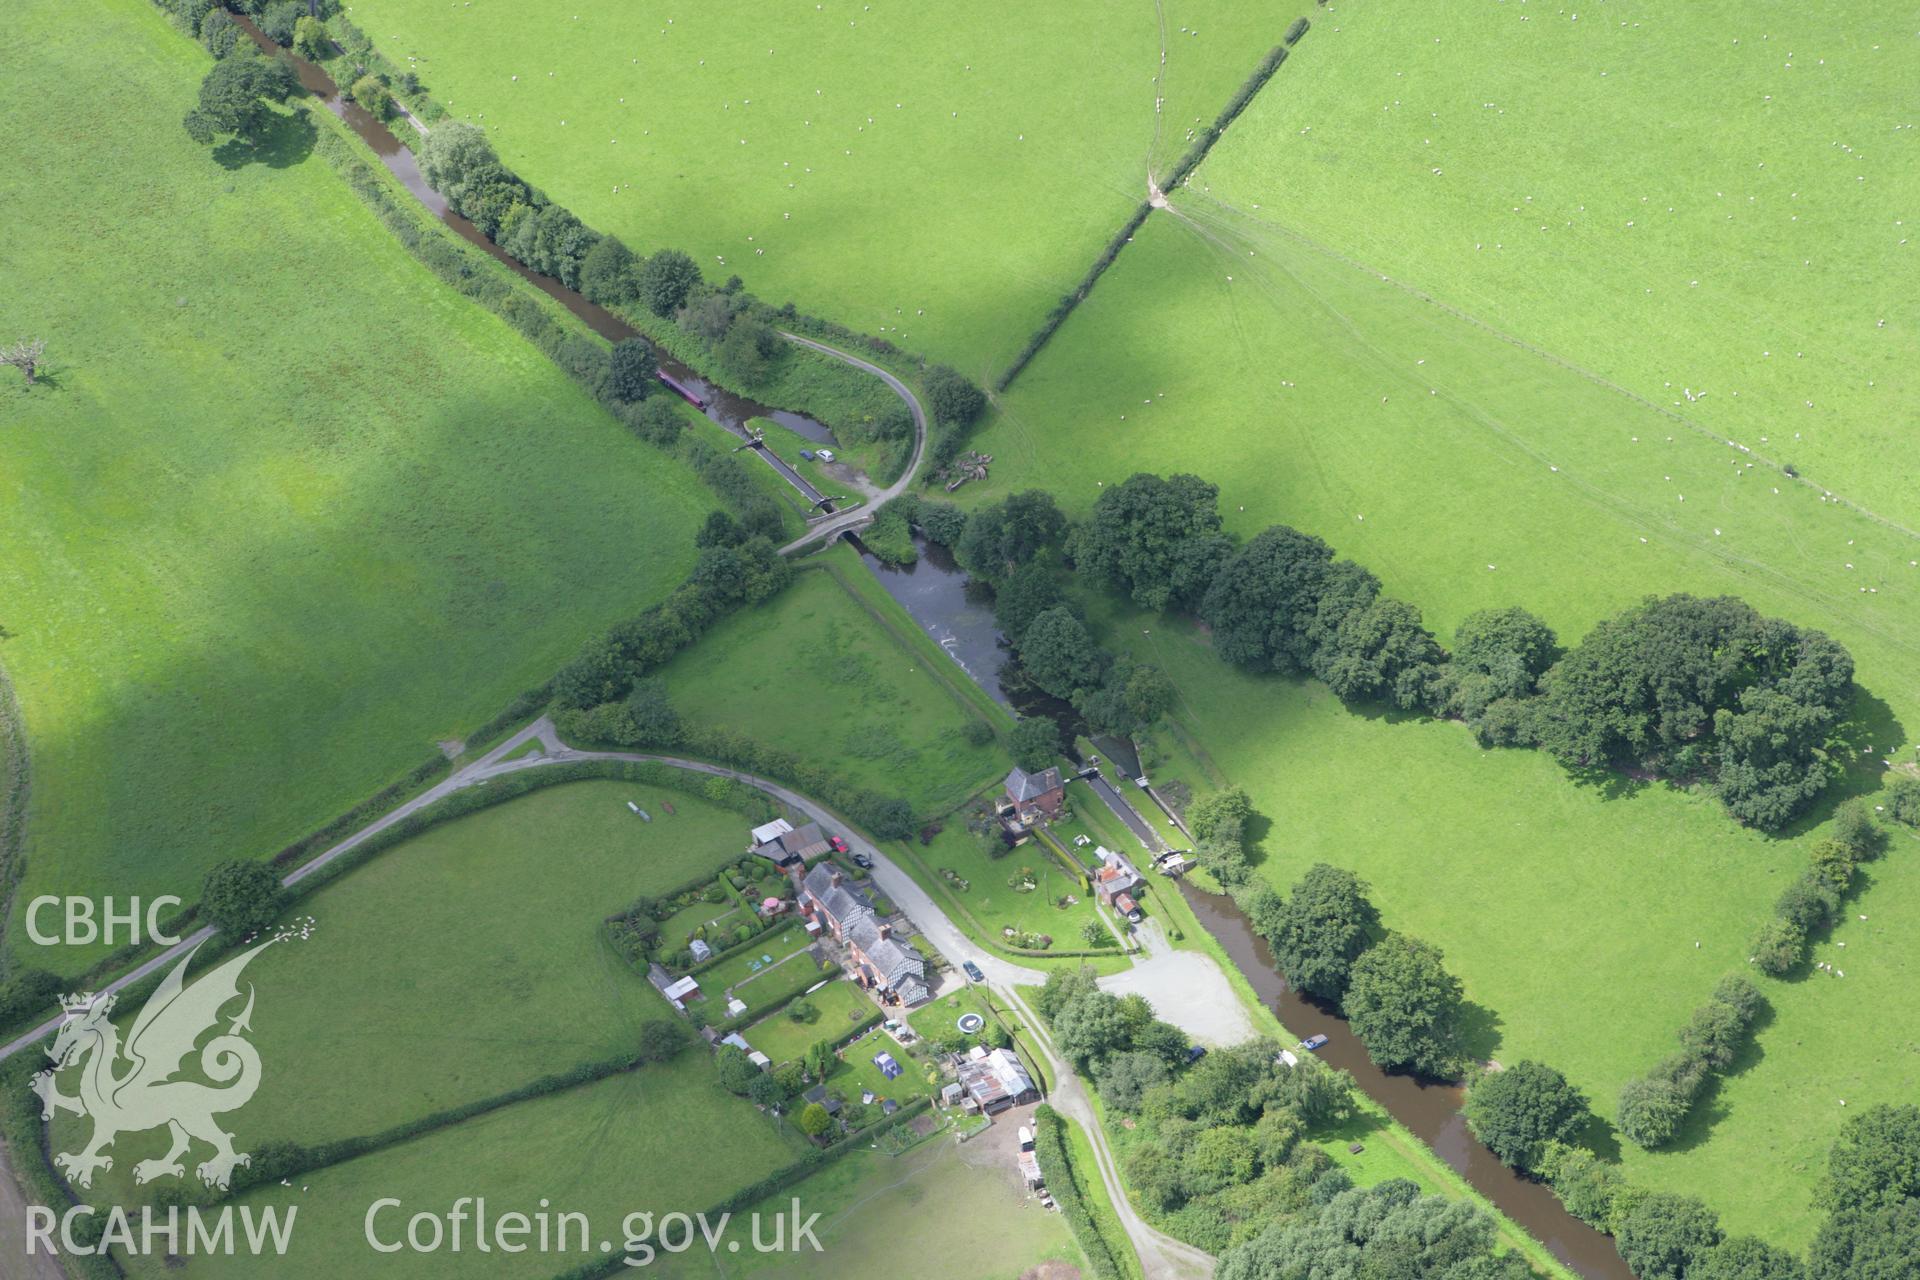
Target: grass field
947 1211
811 673
287 510
1752 255
595 1150
922 173
459 965
1570 912
1441 429
1831 1040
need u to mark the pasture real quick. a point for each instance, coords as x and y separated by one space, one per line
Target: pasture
594 1150
1570 912
1833 1045
1760 258
811 673
948 1193
1494 425
461 964
924 174
287 511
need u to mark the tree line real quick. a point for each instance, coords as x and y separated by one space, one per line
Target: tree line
1685 688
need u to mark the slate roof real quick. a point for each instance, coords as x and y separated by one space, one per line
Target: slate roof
1023 786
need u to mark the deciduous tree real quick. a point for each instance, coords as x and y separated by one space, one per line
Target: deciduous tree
1156 538
234 98
1035 743
241 898
1405 1006
1665 1236
1321 929
1517 1112
25 355
665 280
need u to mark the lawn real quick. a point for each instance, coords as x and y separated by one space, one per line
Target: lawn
841 1005
756 982
920 172
810 672
1570 912
287 511
941 1018
461 964
991 897
595 1150
967 1215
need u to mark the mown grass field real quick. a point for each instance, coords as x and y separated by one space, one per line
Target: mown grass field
595 1150
811 673
924 173
791 970
286 511
459 965
948 1193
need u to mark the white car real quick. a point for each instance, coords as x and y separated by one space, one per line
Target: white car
825 455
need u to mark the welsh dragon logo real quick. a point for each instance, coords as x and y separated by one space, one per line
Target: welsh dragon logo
130 1088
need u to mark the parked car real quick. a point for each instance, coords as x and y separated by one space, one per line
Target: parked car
825 455
839 845
1195 1053
972 970
862 861
807 454
1313 1043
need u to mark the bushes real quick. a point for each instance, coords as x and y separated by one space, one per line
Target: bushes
373 97
724 578
1067 1185
29 993
955 401
1654 1107
1811 903
1903 802
241 898
1064 308
889 536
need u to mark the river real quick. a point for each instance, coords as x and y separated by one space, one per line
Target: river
959 615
